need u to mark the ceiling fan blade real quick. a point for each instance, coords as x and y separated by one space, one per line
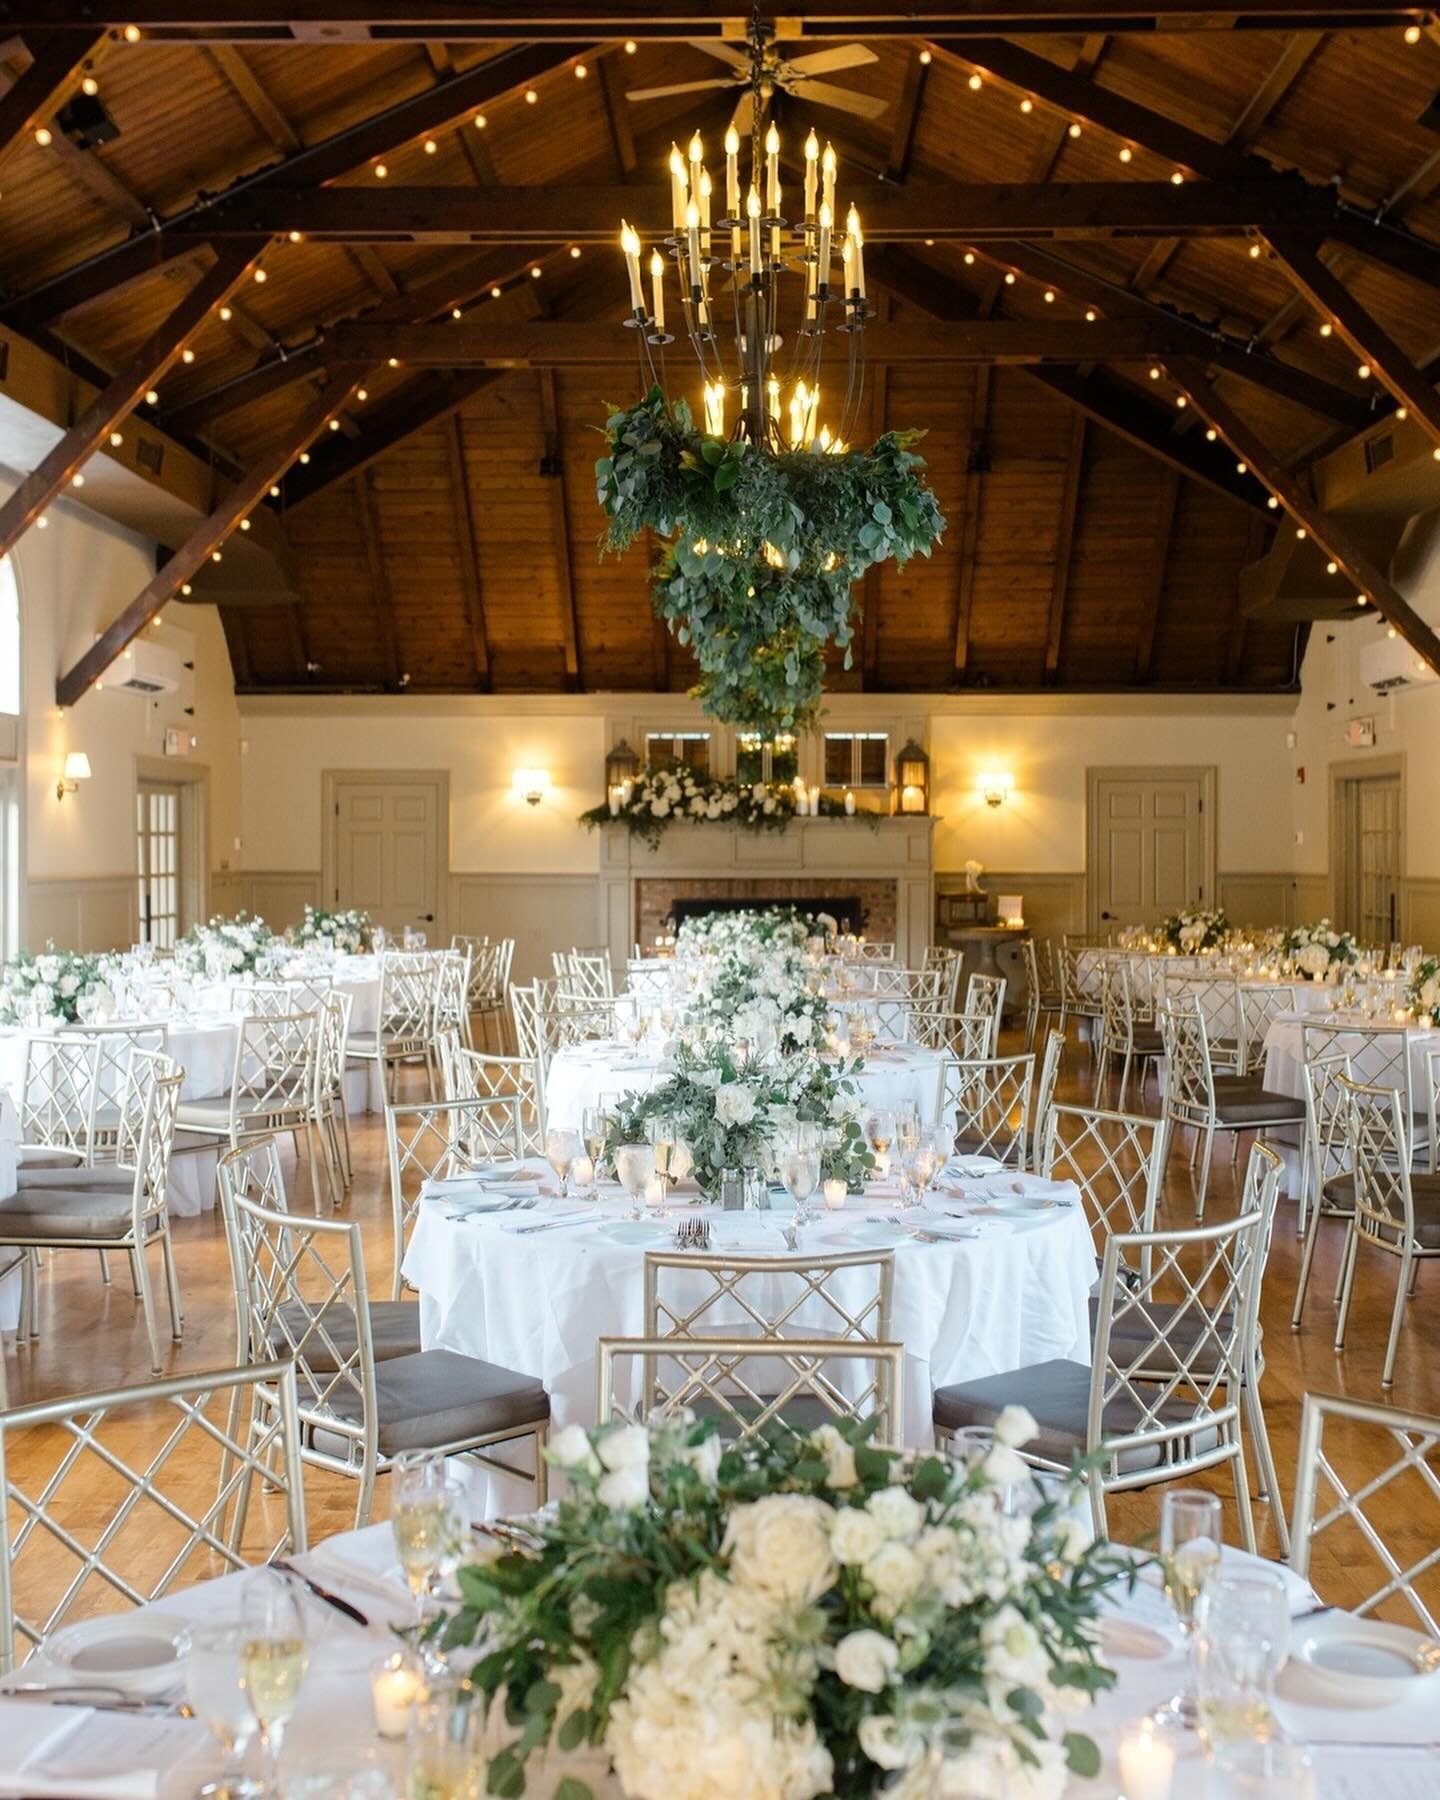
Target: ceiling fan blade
826 62
743 118
679 87
824 93
737 59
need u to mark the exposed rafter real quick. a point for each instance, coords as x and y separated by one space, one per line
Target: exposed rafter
467 547
1153 590
382 595
554 467
34 95
1064 546
970 521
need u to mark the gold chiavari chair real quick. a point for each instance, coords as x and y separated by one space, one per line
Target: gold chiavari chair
440 1139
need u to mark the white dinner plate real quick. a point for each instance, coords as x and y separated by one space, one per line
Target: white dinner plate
1019 1204
1364 1660
636 1231
138 1653
872 1233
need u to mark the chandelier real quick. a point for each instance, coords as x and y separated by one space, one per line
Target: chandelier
741 272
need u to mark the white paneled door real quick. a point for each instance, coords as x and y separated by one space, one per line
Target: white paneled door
157 831
1149 845
388 849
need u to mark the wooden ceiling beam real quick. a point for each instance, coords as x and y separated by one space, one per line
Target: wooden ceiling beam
1154 589
207 536
60 468
1064 547
468 549
347 150
1294 496
907 115
553 468
381 593
974 502
55 60
957 211
241 79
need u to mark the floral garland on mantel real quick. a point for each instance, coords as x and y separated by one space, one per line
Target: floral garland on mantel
660 798
764 551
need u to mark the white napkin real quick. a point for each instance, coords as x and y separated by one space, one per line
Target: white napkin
87 1754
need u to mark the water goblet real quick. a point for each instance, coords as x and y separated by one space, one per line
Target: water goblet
1243 1639
1190 1525
562 1146
917 1171
942 1140
800 1172
272 1657
635 1170
215 1690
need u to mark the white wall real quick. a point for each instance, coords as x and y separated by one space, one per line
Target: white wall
79 855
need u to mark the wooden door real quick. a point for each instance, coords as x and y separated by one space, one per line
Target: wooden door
157 833
1148 846
387 856
1376 859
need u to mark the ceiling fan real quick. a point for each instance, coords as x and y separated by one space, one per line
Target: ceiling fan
761 70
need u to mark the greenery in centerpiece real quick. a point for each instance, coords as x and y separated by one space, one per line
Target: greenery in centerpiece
781 926
350 929
1319 948
224 948
65 985
731 1111
1422 996
764 548
1196 929
672 795
788 1617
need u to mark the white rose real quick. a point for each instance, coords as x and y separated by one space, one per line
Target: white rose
839 1456
866 1660
1073 1537
855 1536
781 1545
570 1448
626 1447
734 1104
660 808
896 1513
681 1162
1015 1426
1002 1465
1013 1650
895 1572
704 1458
881 1741
625 1488
1314 959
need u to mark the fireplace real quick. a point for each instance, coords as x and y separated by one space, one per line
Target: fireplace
662 901
847 910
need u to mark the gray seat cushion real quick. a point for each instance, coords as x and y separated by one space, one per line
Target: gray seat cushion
1243 1101
1425 1195
105 1179
1058 1394
1130 1331
439 1397
204 1115
394 1331
47 1156
36 1213
1147 1041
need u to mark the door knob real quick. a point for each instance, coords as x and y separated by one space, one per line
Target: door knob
1106 915
427 918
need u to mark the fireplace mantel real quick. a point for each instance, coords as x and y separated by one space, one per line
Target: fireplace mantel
822 851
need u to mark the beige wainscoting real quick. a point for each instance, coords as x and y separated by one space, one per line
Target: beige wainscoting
1265 898
1054 903
1420 911
541 912
91 912
278 896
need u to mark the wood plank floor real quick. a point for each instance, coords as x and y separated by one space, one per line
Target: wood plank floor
93 1337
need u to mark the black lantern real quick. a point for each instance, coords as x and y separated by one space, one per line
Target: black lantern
622 765
912 780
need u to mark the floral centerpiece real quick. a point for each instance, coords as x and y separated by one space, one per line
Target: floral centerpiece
64 985
759 991
786 1618
672 795
225 948
1197 929
1318 948
350 930
1423 994
730 1111
769 925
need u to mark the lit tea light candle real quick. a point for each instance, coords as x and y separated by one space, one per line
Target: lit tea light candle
655 1192
835 1192
395 1690
582 1172
1147 1763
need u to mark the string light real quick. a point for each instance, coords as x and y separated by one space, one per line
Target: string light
296 236
1412 36
1272 502
1126 153
152 397
244 524
1181 401
481 121
394 362
535 272
455 313
1177 178
334 424
1090 315
926 58
1154 374
1027 105
1255 251
261 277
185 588
1074 128
274 490
1332 568
1009 278
216 556
1363 371
77 480
187 355
117 438
43 136
575 252
226 315
976 83
1049 296
303 457
1362 599
495 293
1301 533
431 146
381 171
1402 412
132 34
531 96
581 71
89 85
969 257
362 395
1242 468
1210 435
1326 329
630 46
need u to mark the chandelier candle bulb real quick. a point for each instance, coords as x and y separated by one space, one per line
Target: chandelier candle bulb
707 188
827 225
752 212
812 173
772 171
732 173
857 237
827 180
812 285
692 245
657 289
630 244
847 260
678 192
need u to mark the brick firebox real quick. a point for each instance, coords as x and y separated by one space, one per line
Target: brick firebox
655 894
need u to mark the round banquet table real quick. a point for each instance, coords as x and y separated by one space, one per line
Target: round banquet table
1015 1292
583 1074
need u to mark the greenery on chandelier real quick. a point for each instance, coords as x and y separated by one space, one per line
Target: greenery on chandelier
671 795
764 548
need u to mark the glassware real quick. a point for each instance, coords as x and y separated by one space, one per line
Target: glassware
272 1656
917 1171
562 1146
660 1133
215 1689
1190 1525
880 1136
907 1124
1272 1769
800 1172
427 1516
635 1170
1242 1643
444 1755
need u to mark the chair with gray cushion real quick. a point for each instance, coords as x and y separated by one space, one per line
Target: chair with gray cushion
1204 1102
1327 1178
301 1290
437 1141
1124 1033
1161 1398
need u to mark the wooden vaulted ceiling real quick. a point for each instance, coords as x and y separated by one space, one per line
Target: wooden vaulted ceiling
441 535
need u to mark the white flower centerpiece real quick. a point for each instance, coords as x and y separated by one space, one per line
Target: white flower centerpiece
1422 996
773 927
1317 949
65 986
759 991
789 1617
350 930
224 948
1195 930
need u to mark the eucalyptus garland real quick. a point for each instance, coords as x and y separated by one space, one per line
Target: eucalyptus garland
764 548
665 796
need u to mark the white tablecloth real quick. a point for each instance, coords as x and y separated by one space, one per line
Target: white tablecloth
1016 1294
1363 1758
582 1074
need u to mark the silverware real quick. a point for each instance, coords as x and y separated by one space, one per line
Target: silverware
555 1224
353 1613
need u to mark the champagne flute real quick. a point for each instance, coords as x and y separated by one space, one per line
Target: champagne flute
595 1126
907 1124
419 1518
272 1657
562 1146
942 1140
215 1689
1190 1528
660 1132
1244 1638
880 1136
635 1170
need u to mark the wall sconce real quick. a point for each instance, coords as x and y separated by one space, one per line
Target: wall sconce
912 779
532 785
996 787
76 770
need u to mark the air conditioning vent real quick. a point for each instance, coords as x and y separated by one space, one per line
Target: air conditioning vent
147 669
1389 665
1379 451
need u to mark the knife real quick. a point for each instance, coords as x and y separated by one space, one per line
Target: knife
352 1613
554 1224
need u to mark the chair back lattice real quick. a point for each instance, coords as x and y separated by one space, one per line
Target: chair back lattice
476 1075
966 1035
406 1006
1380 1154
331 1042
948 964
452 992
1046 1080
264 999
442 1138
829 1377
686 1295
1189 1075
59 1091
1217 998
986 994
541 1021
589 974
1406 1487
1261 1003
151 1103
113 1047
1327 1122
1379 1055
1076 989
1119 1014
896 995
142 1496
1116 1161
273 1081
989 1101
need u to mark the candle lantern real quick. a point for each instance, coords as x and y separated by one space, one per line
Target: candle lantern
912 780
